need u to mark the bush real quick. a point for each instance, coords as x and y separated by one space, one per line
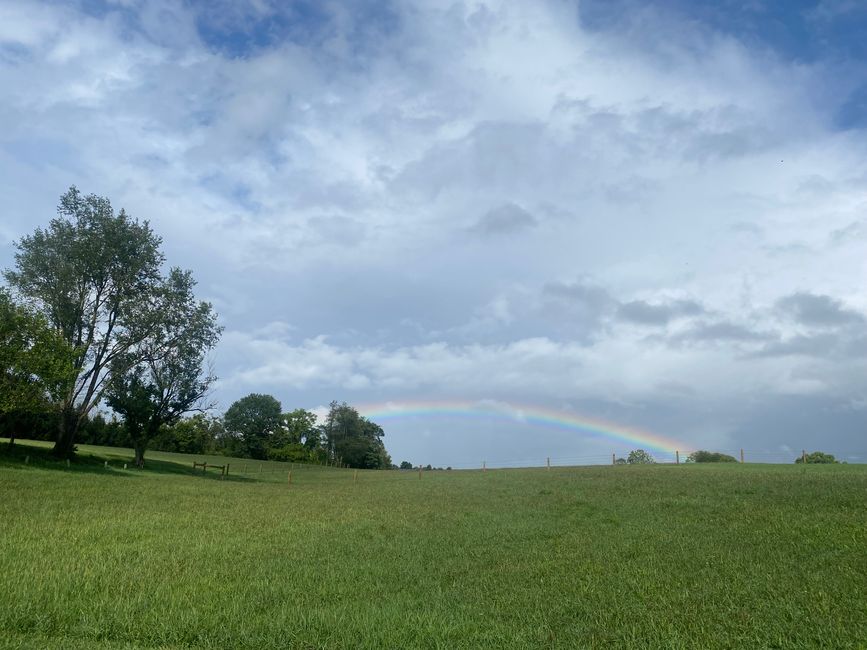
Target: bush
291 453
702 456
818 457
639 457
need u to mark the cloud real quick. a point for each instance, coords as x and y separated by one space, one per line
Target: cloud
721 332
817 310
645 313
505 219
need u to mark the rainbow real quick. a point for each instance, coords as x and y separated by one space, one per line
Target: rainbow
523 414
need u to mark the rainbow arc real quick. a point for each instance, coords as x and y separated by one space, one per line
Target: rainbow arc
525 414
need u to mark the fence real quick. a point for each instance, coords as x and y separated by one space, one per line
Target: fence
286 472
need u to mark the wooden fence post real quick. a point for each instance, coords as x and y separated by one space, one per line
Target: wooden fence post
549 462
204 468
742 455
804 456
484 466
676 457
613 459
419 472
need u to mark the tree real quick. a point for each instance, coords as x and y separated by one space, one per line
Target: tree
161 377
818 457
198 434
95 276
353 439
254 419
620 461
639 457
702 456
297 439
297 428
35 363
405 464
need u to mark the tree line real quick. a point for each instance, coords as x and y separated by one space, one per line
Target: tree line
90 319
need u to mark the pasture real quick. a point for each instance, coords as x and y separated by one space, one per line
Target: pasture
689 556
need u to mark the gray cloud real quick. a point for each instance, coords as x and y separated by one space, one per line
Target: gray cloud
580 307
817 310
722 332
854 230
824 345
645 313
505 219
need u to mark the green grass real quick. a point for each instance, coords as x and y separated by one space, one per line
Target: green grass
714 556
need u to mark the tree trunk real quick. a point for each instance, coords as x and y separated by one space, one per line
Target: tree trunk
66 431
139 448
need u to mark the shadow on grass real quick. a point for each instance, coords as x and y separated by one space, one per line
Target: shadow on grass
22 456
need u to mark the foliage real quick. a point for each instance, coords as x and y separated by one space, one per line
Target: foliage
292 452
819 457
199 434
160 559
620 461
254 419
161 378
297 428
97 430
353 440
702 456
35 363
94 275
405 464
639 457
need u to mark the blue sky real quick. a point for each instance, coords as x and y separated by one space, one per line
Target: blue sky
647 212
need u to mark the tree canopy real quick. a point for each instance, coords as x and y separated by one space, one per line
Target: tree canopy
162 377
639 457
817 457
95 276
35 363
354 440
702 456
254 419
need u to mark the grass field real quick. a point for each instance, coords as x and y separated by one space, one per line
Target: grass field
712 556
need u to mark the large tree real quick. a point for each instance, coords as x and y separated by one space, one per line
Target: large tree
162 377
354 440
95 275
35 362
254 420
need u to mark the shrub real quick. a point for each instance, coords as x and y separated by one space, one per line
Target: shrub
639 457
818 457
290 453
702 456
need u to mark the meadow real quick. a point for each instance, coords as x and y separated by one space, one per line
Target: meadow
688 556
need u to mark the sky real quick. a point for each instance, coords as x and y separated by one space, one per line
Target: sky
506 231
